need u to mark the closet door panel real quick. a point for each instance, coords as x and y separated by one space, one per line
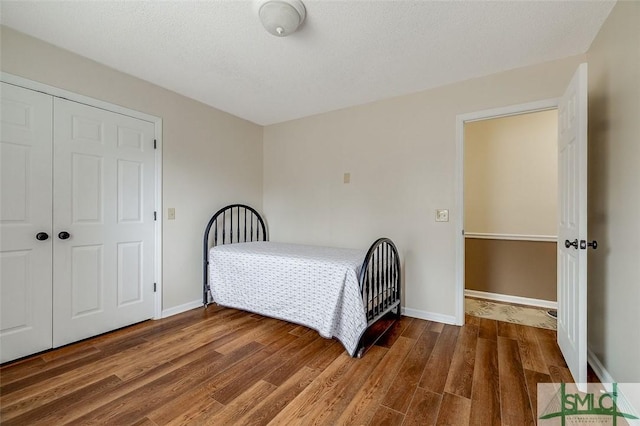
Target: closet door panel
25 222
104 199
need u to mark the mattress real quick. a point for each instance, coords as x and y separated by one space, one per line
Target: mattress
313 286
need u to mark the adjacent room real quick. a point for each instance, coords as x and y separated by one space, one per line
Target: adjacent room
510 209
271 211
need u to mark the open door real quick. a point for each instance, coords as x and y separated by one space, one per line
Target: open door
572 226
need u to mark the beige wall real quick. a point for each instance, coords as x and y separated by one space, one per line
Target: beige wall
401 156
515 268
614 193
510 172
210 158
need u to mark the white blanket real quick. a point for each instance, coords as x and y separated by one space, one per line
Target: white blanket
313 286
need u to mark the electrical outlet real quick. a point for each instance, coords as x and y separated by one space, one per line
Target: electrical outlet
347 177
171 213
442 215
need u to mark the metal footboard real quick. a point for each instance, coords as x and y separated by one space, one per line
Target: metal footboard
380 279
380 284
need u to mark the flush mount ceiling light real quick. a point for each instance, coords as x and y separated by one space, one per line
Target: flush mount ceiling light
281 17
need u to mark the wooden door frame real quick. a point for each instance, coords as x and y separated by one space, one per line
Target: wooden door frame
157 122
458 217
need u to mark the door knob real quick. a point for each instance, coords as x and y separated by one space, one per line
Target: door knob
42 236
573 243
64 235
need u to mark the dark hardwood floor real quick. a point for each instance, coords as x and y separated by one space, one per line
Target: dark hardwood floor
222 366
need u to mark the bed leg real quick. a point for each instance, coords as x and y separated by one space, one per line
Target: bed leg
207 297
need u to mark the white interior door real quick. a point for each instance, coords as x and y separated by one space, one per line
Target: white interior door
25 211
572 204
104 200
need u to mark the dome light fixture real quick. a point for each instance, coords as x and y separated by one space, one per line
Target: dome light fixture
281 17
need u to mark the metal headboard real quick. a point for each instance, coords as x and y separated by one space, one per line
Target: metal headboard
236 223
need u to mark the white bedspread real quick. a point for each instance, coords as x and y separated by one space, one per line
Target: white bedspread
313 286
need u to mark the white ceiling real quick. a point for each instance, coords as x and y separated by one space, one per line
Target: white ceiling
346 53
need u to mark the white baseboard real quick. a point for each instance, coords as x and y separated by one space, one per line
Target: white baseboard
429 316
598 368
512 299
181 308
628 402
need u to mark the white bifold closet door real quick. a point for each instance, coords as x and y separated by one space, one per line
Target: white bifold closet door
103 197
85 177
25 211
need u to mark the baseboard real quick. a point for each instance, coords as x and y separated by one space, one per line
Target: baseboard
629 401
181 308
429 316
598 368
512 299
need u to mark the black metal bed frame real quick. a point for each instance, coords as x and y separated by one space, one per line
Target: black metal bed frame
379 277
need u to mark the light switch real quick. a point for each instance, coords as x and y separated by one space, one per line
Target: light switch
442 215
171 213
347 177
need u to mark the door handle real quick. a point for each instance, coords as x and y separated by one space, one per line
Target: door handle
64 235
42 236
573 243
593 244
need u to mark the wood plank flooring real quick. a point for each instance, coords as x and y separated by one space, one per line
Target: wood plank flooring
222 366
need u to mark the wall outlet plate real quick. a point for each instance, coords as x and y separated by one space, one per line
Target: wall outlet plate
442 215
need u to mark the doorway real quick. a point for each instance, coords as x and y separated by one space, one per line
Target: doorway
507 205
572 215
510 217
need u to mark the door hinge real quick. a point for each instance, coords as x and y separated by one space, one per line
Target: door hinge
155 144
155 215
155 287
